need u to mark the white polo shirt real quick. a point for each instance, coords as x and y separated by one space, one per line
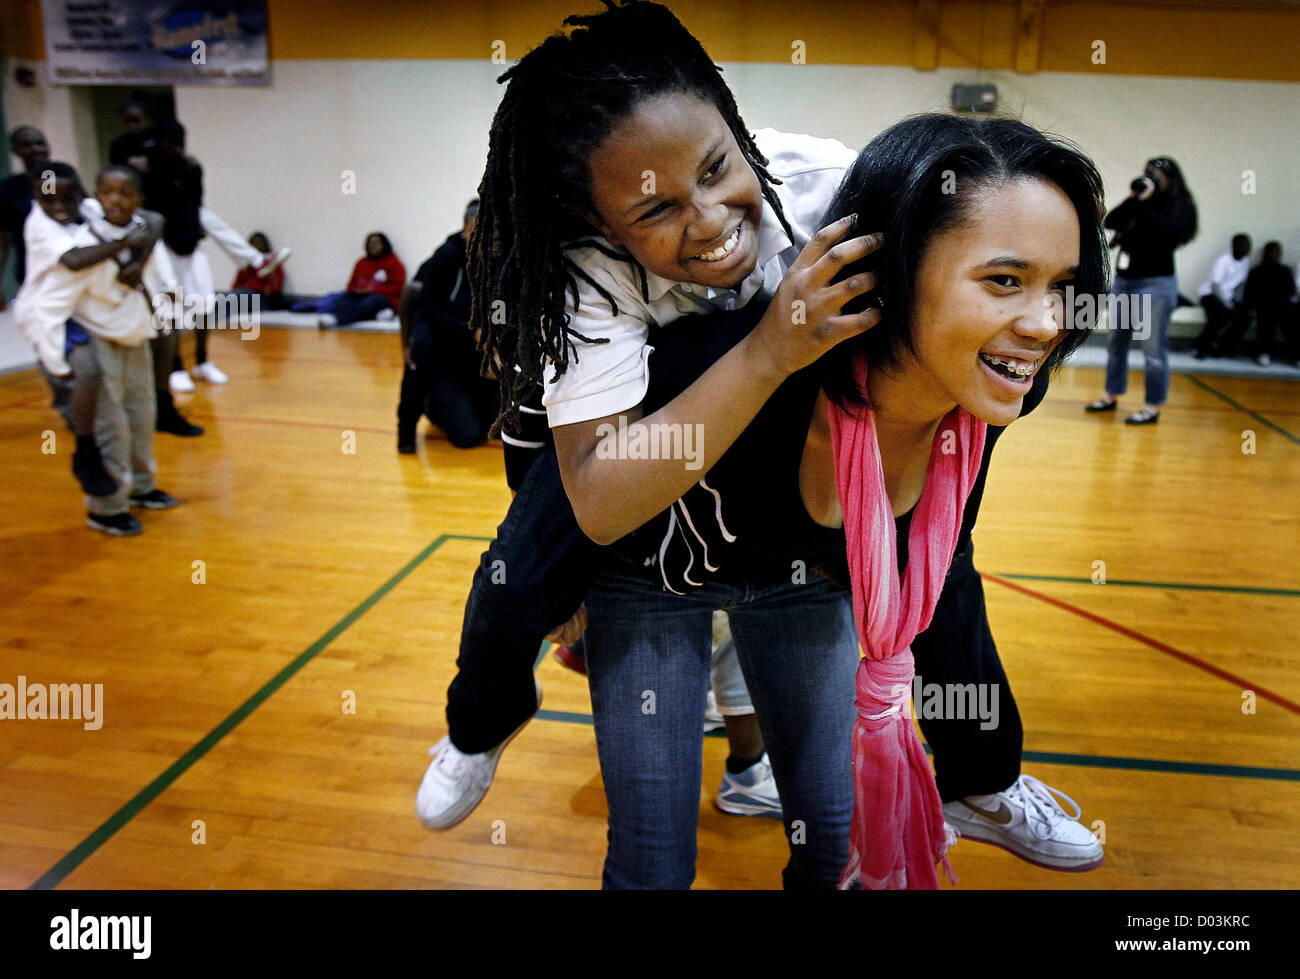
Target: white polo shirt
51 292
108 308
1227 279
606 378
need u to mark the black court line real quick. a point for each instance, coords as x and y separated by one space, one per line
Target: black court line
1240 407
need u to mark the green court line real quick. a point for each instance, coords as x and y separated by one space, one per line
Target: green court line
1160 765
1238 589
78 855
1059 758
1240 407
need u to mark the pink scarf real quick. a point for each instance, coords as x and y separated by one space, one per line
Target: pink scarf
898 833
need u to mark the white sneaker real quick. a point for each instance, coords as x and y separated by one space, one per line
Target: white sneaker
328 319
1264 360
455 783
1026 820
180 382
271 261
210 372
385 314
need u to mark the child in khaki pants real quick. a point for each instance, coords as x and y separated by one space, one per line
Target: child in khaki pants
107 300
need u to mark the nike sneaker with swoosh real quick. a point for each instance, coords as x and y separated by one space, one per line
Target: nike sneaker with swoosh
1026 819
455 783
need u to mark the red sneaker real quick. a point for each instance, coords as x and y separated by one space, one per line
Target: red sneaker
567 658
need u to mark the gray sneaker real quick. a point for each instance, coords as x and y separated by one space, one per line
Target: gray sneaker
751 792
116 525
155 499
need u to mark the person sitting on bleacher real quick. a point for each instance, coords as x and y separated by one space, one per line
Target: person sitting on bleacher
1221 298
1270 293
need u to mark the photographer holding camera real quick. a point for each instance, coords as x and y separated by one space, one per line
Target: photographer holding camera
1158 217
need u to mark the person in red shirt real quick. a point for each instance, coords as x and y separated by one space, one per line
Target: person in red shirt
373 290
270 286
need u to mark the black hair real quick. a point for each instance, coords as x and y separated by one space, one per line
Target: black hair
1176 196
383 239
562 99
916 180
140 103
60 171
122 170
1241 236
1273 246
265 238
14 133
471 209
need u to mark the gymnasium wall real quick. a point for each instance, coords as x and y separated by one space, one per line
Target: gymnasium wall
394 103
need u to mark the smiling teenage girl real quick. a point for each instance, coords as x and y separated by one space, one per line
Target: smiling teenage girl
971 285
708 218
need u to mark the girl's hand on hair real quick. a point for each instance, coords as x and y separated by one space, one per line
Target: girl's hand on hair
804 320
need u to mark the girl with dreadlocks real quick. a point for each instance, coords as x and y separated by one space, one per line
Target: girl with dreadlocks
623 191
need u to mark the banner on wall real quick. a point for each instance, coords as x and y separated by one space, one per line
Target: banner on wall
139 42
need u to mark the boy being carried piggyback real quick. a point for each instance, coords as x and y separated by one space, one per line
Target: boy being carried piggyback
111 301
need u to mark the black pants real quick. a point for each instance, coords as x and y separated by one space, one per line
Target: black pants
448 389
532 577
958 648
1232 323
1271 321
537 572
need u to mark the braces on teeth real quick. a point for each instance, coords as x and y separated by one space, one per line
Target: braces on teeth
1024 370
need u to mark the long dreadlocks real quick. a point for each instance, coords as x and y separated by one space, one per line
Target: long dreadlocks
562 99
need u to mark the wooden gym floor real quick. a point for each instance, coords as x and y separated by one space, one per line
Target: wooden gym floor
1166 701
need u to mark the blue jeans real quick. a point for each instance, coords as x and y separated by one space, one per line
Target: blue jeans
648 657
353 309
1163 290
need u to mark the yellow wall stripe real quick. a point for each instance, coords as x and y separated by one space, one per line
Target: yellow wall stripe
1210 40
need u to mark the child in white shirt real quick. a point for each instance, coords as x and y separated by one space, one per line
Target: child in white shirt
118 315
1221 297
64 349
